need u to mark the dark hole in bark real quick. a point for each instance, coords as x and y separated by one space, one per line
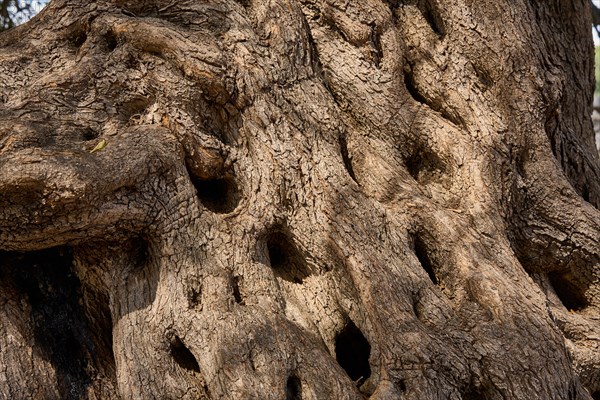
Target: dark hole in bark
89 134
79 37
218 195
432 17
285 259
137 249
522 161
418 308
596 395
111 41
423 257
183 356
402 385
140 251
26 193
154 52
585 193
76 341
346 158
377 50
551 129
393 4
569 293
134 107
193 296
425 166
293 388
474 394
483 76
352 351
235 283
409 82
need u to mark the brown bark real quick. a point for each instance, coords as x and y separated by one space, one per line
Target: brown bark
299 199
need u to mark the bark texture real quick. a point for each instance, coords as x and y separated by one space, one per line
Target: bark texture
299 199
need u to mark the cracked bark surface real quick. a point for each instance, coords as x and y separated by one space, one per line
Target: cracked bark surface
299 199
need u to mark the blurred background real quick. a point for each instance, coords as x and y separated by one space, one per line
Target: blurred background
15 12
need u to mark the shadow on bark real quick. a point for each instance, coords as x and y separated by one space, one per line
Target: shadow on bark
78 348
218 195
352 351
285 259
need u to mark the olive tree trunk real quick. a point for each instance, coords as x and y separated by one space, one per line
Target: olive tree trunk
299 199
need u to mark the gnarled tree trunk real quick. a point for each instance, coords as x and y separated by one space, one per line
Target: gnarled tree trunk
299 199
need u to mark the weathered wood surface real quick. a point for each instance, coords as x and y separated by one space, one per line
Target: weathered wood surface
299 199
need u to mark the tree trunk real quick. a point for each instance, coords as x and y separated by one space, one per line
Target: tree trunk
299 199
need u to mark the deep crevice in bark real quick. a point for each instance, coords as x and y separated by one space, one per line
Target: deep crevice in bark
312 52
377 50
570 295
194 295
411 87
409 83
111 41
243 3
585 193
182 355
352 351
76 34
293 388
235 286
89 134
423 257
346 158
432 16
596 395
285 259
474 394
393 5
425 166
550 127
483 76
218 195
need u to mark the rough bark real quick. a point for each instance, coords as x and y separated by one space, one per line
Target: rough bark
299 199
